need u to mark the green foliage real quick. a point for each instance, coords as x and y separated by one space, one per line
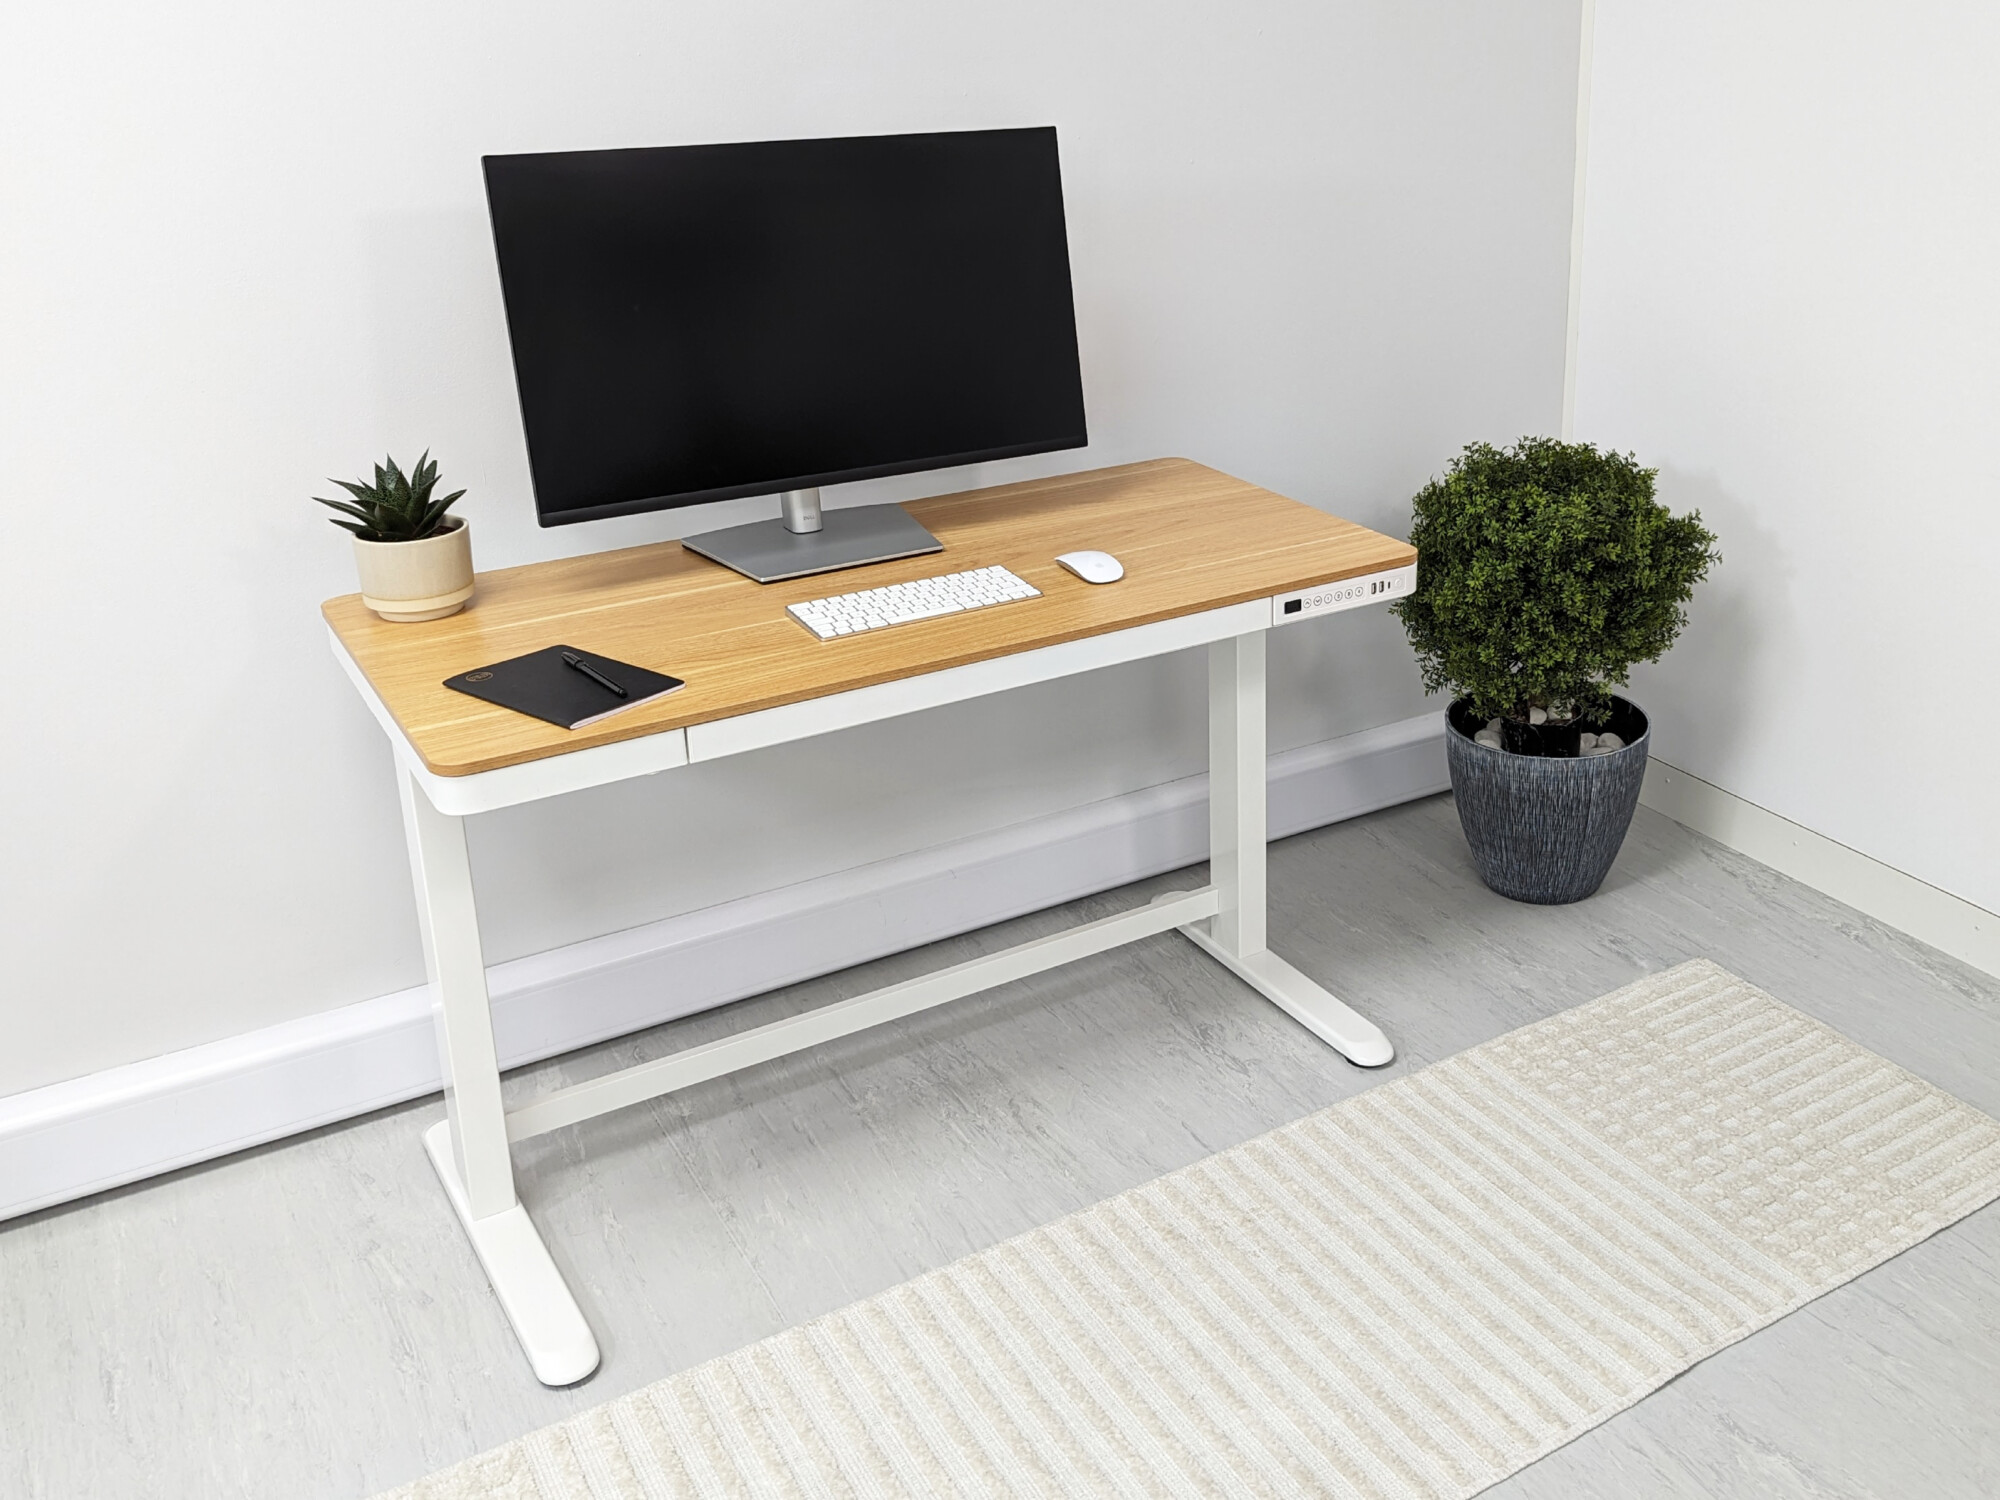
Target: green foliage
393 508
1544 572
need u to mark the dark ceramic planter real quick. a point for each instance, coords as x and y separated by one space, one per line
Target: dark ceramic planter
1544 828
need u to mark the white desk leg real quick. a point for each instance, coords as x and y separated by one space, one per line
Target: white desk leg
469 1146
1235 935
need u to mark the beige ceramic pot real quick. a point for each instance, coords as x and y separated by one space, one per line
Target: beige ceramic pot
424 580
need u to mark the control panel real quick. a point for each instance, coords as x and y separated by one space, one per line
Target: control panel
1348 593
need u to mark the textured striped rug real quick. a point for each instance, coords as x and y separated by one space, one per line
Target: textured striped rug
1415 1292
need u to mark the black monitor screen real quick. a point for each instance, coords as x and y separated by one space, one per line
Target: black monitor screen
693 323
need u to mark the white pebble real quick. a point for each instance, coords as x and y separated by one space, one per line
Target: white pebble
1586 741
1493 726
1488 737
1610 742
1538 716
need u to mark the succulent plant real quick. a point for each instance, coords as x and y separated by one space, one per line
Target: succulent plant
394 508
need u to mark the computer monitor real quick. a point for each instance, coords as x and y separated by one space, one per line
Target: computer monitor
698 323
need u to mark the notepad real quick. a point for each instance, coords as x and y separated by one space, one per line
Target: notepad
542 684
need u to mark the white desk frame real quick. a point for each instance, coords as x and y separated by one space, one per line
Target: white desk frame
470 1147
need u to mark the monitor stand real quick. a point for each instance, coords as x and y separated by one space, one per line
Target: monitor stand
805 540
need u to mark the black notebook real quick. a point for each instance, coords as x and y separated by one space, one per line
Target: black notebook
546 685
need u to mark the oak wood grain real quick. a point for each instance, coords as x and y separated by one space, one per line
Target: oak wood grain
1191 539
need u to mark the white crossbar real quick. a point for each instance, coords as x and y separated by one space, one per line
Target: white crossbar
599 1096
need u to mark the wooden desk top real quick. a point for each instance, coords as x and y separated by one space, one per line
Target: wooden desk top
1191 539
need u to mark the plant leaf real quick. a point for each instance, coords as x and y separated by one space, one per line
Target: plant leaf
352 510
360 492
434 513
425 477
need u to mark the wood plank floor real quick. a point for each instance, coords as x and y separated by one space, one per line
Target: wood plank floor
307 1321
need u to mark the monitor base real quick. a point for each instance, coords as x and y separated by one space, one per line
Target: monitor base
769 553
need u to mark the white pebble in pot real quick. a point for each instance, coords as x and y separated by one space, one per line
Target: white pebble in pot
1610 742
1488 737
1538 716
1586 741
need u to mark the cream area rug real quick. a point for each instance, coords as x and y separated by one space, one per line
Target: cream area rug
1415 1292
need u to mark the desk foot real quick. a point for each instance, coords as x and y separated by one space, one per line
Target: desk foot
1353 1036
531 1290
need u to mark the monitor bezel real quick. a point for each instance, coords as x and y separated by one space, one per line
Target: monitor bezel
763 488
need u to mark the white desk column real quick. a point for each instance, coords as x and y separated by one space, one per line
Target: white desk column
1235 936
469 1147
457 967
1236 790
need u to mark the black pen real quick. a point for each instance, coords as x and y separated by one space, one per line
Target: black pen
591 672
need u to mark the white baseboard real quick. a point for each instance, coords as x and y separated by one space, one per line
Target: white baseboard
1968 933
96 1132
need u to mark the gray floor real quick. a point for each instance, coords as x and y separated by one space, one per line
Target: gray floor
307 1320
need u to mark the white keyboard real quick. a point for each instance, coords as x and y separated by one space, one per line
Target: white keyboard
902 603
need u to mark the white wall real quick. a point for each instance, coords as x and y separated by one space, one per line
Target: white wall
1318 245
1791 304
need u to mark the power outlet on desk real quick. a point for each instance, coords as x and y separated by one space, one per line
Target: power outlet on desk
1348 593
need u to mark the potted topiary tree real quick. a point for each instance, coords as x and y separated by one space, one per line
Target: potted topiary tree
1544 573
415 561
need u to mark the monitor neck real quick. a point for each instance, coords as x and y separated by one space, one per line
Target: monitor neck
800 509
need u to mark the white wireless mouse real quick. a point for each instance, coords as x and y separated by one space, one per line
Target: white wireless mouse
1093 567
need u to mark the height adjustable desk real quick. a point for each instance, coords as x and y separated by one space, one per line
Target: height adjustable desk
1209 561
